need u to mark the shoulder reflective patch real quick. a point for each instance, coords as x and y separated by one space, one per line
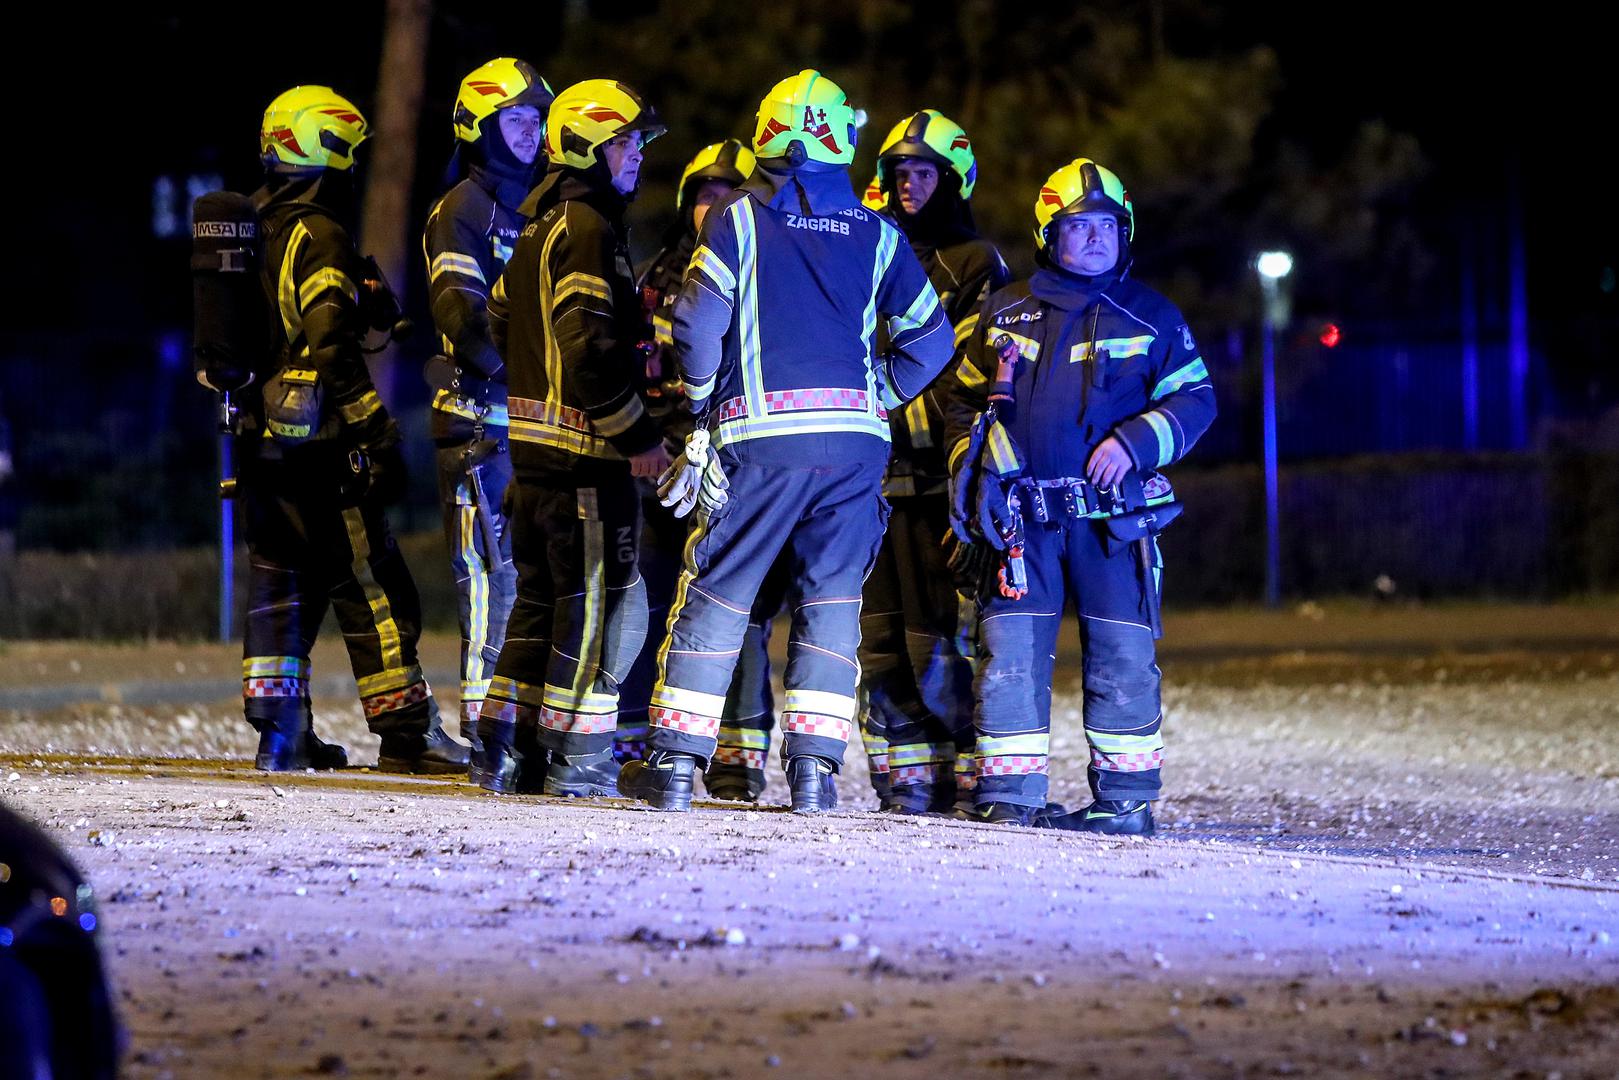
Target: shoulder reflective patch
918 314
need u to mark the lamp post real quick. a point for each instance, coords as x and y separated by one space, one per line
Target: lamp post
1273 267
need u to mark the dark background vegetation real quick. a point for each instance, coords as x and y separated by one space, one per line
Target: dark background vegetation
1409 156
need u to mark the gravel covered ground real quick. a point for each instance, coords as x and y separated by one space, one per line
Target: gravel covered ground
1389 849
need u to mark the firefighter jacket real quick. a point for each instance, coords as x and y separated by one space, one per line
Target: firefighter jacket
470 234
964 269
776 323
314 278
659 288
1096 357
566 318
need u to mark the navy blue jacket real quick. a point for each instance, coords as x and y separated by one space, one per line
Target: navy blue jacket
777 321
1097 357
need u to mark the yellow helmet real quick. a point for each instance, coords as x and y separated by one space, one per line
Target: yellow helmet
875 198
590 113
311 127
810 112
1079 187
729 161
931 136
499 84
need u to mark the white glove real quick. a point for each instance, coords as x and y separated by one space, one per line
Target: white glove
695 479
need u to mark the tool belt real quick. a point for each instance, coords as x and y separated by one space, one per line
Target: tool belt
441 373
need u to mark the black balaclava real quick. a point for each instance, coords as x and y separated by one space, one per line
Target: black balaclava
945 219
491 155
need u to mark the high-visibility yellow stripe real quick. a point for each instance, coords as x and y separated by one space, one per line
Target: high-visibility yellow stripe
807 422
1109 743
553 352
327 277
595 598
449 402
970 376
822 703
1166 437
748 295
1193 372
620 421
581 284
292 319
1003 453
916 423
381 611
477 595
692 701
1014 745
1027 347
391 679
965 329
918 314
705 260
1116 348
901 755
275 667
361 409
663 329
509 689
451 262
744 738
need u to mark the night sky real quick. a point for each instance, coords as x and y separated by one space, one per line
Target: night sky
1485 97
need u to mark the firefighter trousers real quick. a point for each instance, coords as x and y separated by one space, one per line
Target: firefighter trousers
315 540
827 521
580 613
480 557
915 654
749 716
1115 597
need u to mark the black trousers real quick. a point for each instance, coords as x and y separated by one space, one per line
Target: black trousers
316 539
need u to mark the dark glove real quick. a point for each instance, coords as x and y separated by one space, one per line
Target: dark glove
994 511
388 478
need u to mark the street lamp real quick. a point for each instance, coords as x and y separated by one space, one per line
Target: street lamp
1273 267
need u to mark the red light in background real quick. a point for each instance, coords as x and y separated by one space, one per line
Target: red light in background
1331 335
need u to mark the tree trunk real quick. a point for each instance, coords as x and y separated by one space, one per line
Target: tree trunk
385 217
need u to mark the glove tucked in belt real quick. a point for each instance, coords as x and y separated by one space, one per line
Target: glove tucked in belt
695 478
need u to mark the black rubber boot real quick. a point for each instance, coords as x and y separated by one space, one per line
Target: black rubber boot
581 776
883 789
1004 813
513 762
280 752
475 758
1111 817
733 783
665 780
432 753
913 800
813 784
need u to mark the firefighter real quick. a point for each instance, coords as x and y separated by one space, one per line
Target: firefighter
1079 384
775 329
737 771
566 318
915 671
499 123
321 458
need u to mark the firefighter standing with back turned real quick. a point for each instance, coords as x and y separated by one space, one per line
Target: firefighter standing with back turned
566 318
1079 384
915 667
499 123
775 329
737 771
320 459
